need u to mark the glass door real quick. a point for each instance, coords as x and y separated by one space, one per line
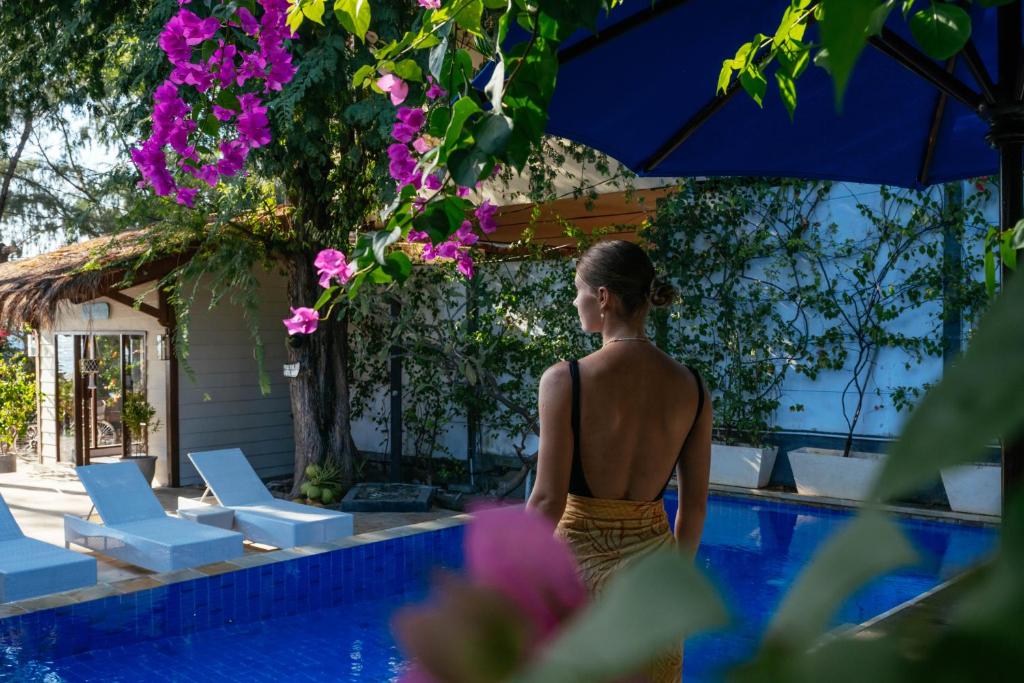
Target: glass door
93 373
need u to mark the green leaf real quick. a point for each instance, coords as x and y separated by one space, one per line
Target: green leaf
787 91
754 83
941 30
438 121
724 77
977 400
357 283
794 57
461 111
382 239
994 3
879 16
408 70
663 592
362 74
398 265
325 297
495 4
210 125
844 25
295 16
466 165
1018 235
493 132
435 59
354 15
228 100
990 271
314 10
470 15
1007 253
867 546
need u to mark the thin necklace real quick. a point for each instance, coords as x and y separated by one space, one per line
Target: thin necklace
618 339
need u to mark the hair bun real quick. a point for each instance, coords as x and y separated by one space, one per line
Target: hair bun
662 293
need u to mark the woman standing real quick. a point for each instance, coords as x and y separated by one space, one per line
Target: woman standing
614 426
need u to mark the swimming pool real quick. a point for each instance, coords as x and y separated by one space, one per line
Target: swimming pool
324 617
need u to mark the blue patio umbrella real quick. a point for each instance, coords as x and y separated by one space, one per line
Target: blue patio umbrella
642 89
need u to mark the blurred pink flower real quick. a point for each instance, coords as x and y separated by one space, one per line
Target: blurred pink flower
430 4
303 321
521 582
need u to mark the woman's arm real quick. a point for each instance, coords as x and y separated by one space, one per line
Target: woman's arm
554 455
693 472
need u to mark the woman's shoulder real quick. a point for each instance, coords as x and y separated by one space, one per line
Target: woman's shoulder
556 375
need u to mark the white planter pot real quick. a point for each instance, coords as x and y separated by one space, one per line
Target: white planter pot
742 465
974 488
825 472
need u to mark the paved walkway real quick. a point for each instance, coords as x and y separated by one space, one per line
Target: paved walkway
39 497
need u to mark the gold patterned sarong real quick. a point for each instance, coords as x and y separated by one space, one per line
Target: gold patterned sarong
605 536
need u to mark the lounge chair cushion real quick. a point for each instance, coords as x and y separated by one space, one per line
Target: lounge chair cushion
30 568
284 524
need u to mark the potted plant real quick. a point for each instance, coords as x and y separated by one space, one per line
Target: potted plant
137 417
879 290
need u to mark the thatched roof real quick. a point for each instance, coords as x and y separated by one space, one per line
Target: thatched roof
32 289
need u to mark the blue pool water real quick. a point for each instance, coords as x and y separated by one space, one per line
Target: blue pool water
325 617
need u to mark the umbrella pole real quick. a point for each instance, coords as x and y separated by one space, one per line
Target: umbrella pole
1011 198
1007 134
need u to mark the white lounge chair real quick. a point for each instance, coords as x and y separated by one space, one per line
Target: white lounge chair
260 516
29 568
135 527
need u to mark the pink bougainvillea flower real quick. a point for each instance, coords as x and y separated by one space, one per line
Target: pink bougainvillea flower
303 321
233 155
331 265
418 236
152 164
186 196
448 249
434 182
430 4
464 263
421 145
414 117
223 113
247 21
253 124
521 587
462 192
435 90
395 87
465 234
485 214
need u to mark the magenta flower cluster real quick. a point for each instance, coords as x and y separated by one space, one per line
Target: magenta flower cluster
227 70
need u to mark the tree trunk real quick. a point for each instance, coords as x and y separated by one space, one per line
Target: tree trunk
320 392
12 164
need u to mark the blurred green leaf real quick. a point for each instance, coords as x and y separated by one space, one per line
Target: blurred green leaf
979 399
844 27
664 592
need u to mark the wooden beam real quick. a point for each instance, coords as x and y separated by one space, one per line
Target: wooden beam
933 130
124 299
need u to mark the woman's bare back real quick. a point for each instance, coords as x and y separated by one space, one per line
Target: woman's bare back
637 407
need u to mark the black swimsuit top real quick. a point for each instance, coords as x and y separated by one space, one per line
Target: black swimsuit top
577 480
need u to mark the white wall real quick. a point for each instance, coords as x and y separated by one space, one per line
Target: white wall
821 398
221 405
123 319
